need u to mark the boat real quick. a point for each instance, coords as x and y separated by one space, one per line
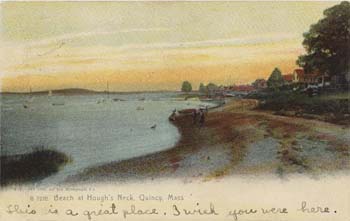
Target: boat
187 111
58 103
104 100
230 94
107 90
172 117
206 99
54 103
28 100
192 99
101 101
117 99
178 99
31 98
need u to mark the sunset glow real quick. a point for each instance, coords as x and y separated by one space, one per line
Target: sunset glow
138 46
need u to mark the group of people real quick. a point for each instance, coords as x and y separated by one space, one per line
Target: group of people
198 116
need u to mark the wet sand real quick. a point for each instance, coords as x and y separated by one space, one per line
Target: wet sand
236 140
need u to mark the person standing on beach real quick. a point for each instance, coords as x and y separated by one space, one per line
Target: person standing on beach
173 115
201 118
194 116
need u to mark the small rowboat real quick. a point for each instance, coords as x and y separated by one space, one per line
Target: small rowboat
187 111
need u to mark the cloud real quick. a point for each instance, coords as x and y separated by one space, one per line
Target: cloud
66 38
247 40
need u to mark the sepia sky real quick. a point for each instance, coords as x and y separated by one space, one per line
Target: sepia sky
148 45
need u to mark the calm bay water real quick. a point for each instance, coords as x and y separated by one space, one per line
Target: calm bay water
91 131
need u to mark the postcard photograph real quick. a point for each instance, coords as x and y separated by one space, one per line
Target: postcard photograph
125 93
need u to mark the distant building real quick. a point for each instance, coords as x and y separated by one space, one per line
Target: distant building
288 78
260 84
299 76
243 88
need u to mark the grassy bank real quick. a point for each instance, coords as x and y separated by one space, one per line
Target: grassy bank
30 167
332 108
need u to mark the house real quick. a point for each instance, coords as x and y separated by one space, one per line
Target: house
299 76
260 84
288 78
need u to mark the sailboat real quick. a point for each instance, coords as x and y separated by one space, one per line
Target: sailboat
107 90
55 103
29 100
103 100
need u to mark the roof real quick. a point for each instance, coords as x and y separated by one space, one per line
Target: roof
288 77
299 72
260 80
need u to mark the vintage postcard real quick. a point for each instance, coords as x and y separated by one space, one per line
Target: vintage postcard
175 110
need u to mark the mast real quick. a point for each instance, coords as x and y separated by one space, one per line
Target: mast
30 93
107 90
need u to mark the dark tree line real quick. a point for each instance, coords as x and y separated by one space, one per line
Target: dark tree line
327 43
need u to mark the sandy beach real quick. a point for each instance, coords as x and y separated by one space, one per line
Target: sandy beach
236 139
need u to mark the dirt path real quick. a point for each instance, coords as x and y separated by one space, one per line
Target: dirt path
282 145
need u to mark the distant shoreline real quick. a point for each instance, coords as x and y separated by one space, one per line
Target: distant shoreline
81 91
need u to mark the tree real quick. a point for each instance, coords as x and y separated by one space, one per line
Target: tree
186 87
202 88
275 80
327 43
212 86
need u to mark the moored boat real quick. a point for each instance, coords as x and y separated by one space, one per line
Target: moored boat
187 111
